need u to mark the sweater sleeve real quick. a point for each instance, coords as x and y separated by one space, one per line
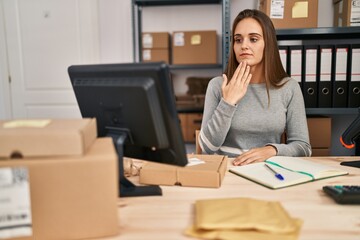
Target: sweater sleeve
217 118
297 142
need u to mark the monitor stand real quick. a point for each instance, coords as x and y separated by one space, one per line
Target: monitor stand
127 188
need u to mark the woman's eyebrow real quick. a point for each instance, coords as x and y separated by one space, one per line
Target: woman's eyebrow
251 34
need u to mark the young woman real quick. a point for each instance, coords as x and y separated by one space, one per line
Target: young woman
249 108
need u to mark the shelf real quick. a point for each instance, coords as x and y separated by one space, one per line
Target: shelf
186 108
174 2
195 66
332 111
318 33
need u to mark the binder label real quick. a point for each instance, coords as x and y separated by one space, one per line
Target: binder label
341 62
310 65
325 66
283 57
355 65
296 65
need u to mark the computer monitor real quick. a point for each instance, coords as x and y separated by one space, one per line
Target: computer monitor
134 104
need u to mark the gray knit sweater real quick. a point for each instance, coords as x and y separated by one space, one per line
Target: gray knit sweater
231 130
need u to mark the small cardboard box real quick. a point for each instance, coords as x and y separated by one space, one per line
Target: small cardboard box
208 174
154 40
194 47
346 13
291 13
42 137
73 197
156 55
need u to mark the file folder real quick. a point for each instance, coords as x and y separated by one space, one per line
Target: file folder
310 79
354 84
340 87
296 64
283 51
325 86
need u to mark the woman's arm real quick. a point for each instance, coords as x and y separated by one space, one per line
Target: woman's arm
217 118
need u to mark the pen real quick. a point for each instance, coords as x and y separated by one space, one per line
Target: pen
277 175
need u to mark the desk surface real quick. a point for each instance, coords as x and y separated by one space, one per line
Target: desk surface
167 216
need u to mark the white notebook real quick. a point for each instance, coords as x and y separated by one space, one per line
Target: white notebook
294 170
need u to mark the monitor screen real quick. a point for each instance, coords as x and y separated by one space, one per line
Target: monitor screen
135 102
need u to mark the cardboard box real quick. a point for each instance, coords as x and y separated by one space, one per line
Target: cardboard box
155 40
209 174
72 197
36 138
318 152
194 47
346 13
319 132
156 55
291 13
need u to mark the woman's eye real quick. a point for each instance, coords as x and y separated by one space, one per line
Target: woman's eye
254 39
238 40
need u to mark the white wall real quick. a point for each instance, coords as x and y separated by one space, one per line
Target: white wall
5 109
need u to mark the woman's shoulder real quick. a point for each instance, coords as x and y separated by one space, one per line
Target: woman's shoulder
216 82
289 82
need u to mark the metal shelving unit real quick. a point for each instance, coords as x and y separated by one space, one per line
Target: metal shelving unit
321 33
138 5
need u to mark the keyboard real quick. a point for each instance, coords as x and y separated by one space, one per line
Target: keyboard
344 194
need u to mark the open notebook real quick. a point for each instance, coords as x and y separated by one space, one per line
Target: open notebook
295 170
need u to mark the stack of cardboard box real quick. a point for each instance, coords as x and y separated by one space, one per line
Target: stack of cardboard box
156 47
57 180
188 47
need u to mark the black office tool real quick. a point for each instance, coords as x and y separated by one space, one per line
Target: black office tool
325 86
344 194
351 163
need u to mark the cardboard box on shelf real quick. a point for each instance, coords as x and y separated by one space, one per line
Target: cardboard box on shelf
71 197
156 47
154 40
156 55
320 135
291 13
194 47
346 13
45 137
209 173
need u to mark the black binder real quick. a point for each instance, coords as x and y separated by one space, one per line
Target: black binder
354 82
310 63
326 53
340 86
284 53
295 62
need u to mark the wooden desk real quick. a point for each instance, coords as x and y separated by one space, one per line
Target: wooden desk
166 217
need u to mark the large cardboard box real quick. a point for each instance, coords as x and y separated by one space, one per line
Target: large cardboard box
42 137
291 13
72 197
156 47
194 47
207 174
346 13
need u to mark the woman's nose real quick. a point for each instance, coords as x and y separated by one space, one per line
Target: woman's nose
245 44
